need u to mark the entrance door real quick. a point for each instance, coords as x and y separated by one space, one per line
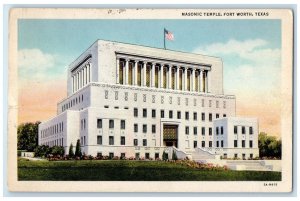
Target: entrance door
170 135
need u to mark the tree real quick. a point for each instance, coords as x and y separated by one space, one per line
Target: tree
71 152
78 149
269 146
174 156
42 151
28 136
58 150
165 156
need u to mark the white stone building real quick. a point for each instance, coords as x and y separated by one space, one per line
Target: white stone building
134 101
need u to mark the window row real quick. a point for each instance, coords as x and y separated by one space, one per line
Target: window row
195 130
111 123
111 140
243 143
111 155
243 130
57 142
178 114
82 124
163 99
52 130
72 102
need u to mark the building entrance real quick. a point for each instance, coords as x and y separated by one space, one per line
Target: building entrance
170 135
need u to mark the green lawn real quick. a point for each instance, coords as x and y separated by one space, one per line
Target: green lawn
110 170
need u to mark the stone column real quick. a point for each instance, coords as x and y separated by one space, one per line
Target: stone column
177 78
161 76
83 74
117 71
153 75
135 71
170 77
193 80
185 79
144 73
126 70
90 68
201 80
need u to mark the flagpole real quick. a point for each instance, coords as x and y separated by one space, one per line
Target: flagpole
164 39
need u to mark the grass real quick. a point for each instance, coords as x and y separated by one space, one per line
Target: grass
115 170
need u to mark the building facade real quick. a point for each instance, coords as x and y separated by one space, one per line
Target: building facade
134 101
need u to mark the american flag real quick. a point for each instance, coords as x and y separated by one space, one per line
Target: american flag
169 35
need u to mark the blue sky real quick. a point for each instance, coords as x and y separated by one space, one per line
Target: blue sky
250 49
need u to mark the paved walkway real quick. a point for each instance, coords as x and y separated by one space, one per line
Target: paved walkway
34 159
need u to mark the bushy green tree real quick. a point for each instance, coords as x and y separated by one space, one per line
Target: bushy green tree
165 156
78 149
71 152
58 150
28 136
42 151
269 146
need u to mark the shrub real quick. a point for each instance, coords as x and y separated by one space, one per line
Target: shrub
78 149
58 151
42 151
71 152
174 156
165 156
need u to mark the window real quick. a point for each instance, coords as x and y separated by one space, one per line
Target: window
217 131
203 144
122 140
178 115
144 142
111 155
195 116
162 114
195 130
122 156
217 143
137 156
203 130
250 143
225 156
147 155
144 128
153 128
222 143
195 144
84 142
111 123
250 130
224 115
171 114
210 143
135 112
187 115
244 156
251 156
210 117
122 124
99 139
135 142
235 130
243 130
203 116
235 155
235 143
217 116
135 126
186 130
210 131
111 140
144 112
153 113
156 155
222 130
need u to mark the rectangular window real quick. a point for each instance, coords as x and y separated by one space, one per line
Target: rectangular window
121 64
188 80
99 123
250 143
210 143
111 123
251 156
122 156
136 128
235 155
217 143
195 116
153 113
235 143
144 142
148 76
224 115
153 128
178 115
144 112
187 115
171 114
217 116
156 155
203 116
250 130
173 78
111 155
165 78
111 140
217 130
235 130
195 130
203 144
144 128
162 114
195 144
135 142
123 124
243 130
135 112
180 79
130 73
210 131
99 139
139 74
187 130
156 77
122 140
210 117
147 155
222 130
203 130
222 143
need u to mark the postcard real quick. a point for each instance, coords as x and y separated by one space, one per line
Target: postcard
150 100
